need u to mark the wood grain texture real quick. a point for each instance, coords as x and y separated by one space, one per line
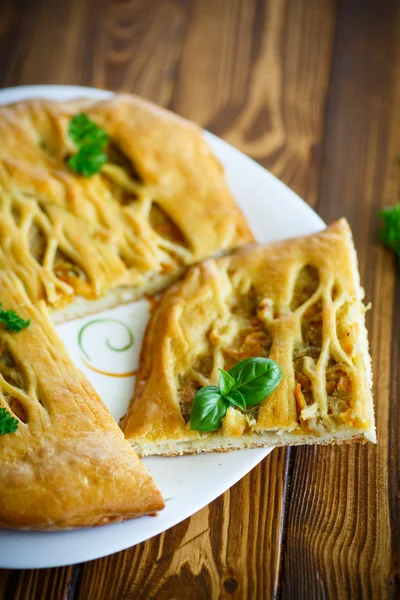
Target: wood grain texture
206 556
312 92
342 536
261 84
51 584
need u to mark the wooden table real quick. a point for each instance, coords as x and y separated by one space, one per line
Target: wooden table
311 90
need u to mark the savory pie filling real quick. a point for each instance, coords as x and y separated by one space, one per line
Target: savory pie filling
249 329
120 227
307 282
13 386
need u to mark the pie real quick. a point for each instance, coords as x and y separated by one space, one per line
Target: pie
68 464
73 245
298 302
83 244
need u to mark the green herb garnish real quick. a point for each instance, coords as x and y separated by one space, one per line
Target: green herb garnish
91 141
208 410
7 423
390 233
12 321
248 383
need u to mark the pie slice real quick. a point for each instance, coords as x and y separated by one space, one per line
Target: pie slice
298 302
68 464
83 244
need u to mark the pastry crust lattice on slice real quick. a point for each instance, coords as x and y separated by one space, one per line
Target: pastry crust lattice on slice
67 465
298 302
159 204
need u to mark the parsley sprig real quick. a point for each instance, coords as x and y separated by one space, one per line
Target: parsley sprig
91 141
12 321
248 383
390 233
7 423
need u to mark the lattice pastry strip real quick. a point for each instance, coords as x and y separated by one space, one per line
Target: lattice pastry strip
298 302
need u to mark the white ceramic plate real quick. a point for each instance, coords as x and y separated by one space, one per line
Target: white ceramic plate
106 347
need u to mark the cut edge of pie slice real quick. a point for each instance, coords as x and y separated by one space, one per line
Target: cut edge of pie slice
298 302
68 464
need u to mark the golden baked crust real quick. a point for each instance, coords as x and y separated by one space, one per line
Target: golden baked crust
68 464
300 303
159 204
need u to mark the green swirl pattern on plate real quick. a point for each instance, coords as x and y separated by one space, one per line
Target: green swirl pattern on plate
107 341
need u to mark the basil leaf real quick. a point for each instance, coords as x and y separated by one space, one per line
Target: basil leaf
237 399
256 378
226 382
208 410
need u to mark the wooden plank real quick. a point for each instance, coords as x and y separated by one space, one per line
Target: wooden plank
268 77
393 575
18 32
120 46
255 72
342 537
51 584
260 81
223 549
